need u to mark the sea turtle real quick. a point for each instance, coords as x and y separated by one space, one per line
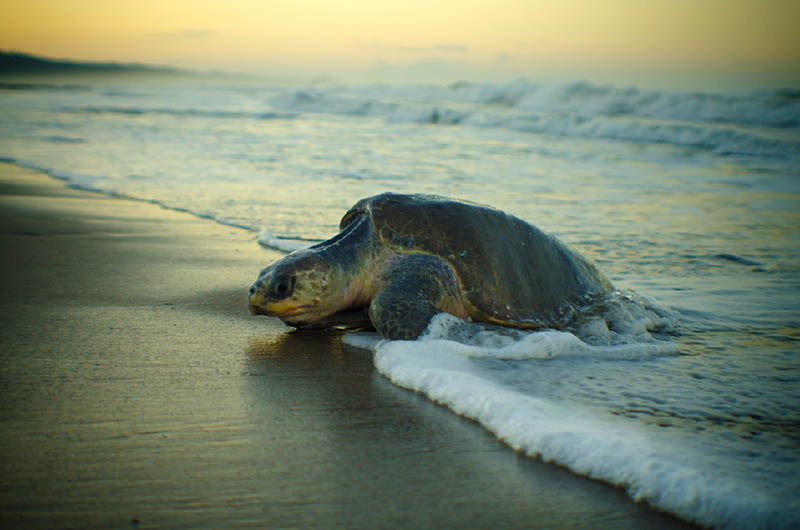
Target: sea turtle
408 257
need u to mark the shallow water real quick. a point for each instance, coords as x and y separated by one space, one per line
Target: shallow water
691 199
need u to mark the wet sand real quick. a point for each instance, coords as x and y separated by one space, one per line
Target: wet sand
138 391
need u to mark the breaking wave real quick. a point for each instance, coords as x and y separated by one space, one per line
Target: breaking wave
724 124
759 124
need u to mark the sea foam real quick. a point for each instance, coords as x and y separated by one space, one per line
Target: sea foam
455 363
267 239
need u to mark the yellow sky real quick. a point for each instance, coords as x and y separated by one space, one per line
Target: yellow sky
629 40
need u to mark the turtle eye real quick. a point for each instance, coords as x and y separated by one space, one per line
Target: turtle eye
281 287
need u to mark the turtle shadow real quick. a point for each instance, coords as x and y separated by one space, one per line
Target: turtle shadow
344 321
320 338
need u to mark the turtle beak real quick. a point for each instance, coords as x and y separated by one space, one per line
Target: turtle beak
269 295
260 305
283 289
268 304
257 304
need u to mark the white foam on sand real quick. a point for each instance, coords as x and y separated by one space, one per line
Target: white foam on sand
267 239
471 340
672 471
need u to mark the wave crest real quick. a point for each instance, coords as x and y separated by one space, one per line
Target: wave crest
722 123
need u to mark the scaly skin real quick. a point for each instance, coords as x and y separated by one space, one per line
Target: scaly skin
416 287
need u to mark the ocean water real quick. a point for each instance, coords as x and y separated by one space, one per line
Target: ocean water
687 395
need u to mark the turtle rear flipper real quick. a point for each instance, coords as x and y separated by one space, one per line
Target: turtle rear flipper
417 287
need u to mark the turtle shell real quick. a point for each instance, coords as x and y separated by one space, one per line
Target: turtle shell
510 272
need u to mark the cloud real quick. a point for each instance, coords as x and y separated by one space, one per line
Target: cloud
186 34
437 48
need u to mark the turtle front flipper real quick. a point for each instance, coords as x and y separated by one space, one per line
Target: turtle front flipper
417 286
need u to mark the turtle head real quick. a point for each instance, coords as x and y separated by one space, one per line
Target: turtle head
311 284
299 289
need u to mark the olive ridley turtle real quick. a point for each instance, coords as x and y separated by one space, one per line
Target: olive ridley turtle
409 257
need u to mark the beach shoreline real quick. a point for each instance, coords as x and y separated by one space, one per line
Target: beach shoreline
137 389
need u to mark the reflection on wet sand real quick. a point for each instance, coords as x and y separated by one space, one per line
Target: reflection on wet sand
340 443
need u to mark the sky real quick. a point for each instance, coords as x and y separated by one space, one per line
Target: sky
733 44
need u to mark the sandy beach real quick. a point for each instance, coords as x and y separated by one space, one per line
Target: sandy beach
137 390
